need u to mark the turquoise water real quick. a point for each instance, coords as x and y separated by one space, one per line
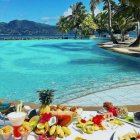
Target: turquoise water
72 67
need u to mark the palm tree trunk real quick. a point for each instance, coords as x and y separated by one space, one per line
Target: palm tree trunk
110 23
99 33
136 43
122 36
75 34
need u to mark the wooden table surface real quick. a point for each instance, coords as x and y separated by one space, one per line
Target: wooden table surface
132 108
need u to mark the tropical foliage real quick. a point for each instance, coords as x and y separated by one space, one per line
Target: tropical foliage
135 6
101 22
94 3
122 22
88 26
120 17
77 17
63 25
73 21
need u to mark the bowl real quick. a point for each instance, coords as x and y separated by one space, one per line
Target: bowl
137 117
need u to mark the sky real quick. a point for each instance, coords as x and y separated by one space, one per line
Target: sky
43 11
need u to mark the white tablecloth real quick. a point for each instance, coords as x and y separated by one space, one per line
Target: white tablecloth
98 135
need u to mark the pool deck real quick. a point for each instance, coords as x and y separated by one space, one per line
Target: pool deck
126 95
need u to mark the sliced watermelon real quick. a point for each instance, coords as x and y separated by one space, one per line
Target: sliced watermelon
64 120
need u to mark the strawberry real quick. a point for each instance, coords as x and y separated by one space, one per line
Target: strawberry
113 110
98 119
83 121
138 137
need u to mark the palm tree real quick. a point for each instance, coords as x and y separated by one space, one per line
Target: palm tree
124 24
135 5
101 22
63 25
93 3
77 17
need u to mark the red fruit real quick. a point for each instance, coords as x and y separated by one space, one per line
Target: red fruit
64 120
98 119
52 138
113 110
138 137
83 121
43 137
45 117
107 105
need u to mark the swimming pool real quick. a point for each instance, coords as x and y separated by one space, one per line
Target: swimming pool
72 67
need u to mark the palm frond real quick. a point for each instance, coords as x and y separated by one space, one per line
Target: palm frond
131 2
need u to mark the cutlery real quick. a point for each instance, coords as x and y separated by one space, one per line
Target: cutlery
112 136
131 123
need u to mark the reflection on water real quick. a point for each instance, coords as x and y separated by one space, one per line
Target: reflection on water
71 67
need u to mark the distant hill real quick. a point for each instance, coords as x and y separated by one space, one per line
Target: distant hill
25 27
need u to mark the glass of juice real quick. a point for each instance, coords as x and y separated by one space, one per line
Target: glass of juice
16 119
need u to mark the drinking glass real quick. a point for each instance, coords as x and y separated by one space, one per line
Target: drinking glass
16 119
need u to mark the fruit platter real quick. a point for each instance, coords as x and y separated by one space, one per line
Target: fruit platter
59 122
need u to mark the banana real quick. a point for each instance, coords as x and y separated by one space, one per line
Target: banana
52 130
89 130
84 129
66 130
55 134
61 135
80 125
58 129
47 127
89 123
95 128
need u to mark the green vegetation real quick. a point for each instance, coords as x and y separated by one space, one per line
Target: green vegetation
135 6
79 22
63 25
107 3
87 27
101 22
115 17
26 27
123 23
77 17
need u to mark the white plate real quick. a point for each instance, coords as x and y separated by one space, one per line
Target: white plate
123 130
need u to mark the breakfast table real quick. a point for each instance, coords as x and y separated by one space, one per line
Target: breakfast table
110 134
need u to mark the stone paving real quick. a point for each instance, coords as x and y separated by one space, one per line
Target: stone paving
128 95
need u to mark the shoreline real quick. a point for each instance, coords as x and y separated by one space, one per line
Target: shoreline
121 48
49 38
